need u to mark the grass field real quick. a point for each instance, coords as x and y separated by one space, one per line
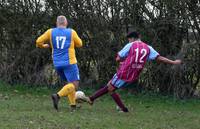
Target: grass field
31 108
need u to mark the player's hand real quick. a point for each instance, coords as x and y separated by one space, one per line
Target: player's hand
45 46
176 62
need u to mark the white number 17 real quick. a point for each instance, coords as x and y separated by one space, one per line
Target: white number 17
60 40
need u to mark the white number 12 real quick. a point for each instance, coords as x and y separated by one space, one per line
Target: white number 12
143 52
62 39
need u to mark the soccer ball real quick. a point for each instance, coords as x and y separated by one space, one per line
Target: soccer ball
80 96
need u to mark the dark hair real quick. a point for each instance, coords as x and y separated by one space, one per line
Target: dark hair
133 34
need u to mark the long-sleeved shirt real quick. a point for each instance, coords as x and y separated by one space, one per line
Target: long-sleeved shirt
63 42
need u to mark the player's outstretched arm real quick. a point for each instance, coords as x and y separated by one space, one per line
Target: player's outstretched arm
168 61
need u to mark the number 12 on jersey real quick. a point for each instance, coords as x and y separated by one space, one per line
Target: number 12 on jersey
60 42
143 53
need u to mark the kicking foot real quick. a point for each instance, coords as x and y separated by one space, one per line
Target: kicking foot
55 99
84 99
88 100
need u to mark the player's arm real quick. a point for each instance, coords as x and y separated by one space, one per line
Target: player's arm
77 39
121 56
154 55
167 61
43 40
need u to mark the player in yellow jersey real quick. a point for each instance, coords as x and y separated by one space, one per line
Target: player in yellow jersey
63 42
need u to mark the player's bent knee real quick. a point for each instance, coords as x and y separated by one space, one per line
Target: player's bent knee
111 92
111 89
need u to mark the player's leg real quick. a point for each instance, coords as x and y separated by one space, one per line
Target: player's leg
72 75
69 89
56 97
112 86
100 92
118 101
72 99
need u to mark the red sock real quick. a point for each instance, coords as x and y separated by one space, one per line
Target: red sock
99 93
118 101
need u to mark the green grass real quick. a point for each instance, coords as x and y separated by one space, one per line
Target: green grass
31 108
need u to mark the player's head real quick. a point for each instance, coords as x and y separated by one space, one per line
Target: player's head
132 36
61 21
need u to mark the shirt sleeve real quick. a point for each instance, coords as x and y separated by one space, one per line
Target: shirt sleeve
153 54
44 38
77 39
124 52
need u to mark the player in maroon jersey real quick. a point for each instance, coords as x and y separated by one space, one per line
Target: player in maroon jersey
132 59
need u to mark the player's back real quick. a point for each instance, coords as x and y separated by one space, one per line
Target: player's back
62 45
134 63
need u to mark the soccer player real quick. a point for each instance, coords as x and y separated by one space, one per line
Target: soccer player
132 59
63 41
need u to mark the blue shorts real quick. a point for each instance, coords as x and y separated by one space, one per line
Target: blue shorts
118 83
68 73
